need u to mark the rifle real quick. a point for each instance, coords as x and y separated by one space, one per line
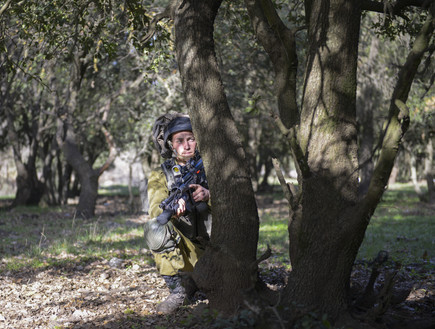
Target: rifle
191 173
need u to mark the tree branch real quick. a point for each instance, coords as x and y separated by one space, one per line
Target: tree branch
262 258
399 116
5 7
285 187
300 160
112 150
279 42
168 12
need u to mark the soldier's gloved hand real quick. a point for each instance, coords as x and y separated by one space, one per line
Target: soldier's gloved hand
200 193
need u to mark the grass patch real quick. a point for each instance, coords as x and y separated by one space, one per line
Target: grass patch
40 237
43 237
118 190
401 225
273 233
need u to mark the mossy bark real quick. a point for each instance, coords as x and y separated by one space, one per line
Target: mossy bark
323 244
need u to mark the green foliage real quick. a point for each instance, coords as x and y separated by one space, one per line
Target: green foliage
129 311
408 23
92 25
55 50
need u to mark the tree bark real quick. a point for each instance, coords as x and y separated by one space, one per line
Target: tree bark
226 269
322 244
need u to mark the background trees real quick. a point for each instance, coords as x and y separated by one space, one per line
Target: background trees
71 74
82 81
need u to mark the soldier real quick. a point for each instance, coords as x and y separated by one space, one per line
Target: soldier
178 247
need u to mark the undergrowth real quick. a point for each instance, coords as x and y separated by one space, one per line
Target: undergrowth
41 236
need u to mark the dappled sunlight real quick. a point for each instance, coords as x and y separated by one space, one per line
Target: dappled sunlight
402 226
59 234
105 276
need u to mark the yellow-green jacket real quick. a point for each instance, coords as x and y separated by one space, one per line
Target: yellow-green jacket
187 254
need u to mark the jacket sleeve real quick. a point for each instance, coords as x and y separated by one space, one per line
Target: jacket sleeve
157 191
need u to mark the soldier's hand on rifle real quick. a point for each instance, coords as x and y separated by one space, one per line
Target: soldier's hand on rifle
200 193
181 207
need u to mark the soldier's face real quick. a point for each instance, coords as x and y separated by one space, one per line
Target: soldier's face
184 144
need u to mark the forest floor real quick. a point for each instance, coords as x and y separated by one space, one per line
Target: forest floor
70 290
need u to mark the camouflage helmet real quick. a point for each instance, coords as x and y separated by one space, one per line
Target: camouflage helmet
176 125
166 125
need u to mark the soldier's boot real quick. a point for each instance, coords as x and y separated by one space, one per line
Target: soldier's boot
177 296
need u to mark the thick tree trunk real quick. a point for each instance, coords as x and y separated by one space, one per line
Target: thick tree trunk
323 245
29 189
227 267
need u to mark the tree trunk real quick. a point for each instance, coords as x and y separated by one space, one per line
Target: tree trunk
29 189
250 146
51 196
322 258
67 141
327 218
88 177
228 265
67 191
366 125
